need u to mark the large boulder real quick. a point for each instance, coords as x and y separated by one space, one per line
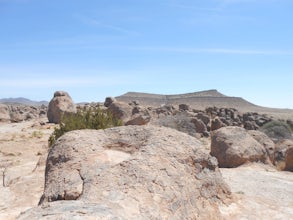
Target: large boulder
216 124
199 125
109 101
284 155
130 172
233 146
120 110
4 113
60 104
265 141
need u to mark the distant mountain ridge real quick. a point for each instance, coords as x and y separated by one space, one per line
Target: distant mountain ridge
23 101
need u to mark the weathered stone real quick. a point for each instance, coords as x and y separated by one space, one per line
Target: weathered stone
265 141
60 104
4 113
233 146
139 120
120 110
131 172
250 125
184 107
109 101
216 124
289 158
284 155
203 117
200 127
181 122
166 110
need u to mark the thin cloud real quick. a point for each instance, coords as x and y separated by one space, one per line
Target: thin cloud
213 51
191 7
96 23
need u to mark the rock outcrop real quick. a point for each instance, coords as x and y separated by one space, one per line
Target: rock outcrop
266 142
120 110
284 155
60 104
109 101
130 172
233 146
4 113
21 112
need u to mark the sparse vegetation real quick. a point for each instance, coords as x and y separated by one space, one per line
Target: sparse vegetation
37 134
90 119
277 130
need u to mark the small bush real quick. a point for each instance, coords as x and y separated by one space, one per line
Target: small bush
277 130
89 119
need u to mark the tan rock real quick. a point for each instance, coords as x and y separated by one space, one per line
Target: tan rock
233 146
60 104
131 172
216 124
284 155
4 113
265 141
139 120
121 110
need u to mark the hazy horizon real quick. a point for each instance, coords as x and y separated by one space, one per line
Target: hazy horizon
94 49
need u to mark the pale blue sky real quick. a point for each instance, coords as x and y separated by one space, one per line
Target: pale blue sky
99 48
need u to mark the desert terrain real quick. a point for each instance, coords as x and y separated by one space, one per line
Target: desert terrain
258 190
204 99
23 152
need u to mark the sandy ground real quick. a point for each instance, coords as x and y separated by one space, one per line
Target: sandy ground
260 192
23 151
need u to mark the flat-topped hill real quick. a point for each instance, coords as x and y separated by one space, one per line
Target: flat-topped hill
203 99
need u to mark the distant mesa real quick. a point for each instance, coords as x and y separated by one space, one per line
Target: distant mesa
23 101
198 100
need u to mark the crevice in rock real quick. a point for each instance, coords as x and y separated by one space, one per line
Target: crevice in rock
122 146
82 178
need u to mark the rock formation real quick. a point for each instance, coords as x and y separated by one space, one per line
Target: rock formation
233 146
60 104
266 142
130 172
284 155
120 110
109 101
4 113
19 112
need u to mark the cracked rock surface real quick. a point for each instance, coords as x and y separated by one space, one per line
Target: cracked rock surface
132 172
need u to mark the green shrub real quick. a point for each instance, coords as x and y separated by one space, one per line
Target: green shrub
277 130
89 119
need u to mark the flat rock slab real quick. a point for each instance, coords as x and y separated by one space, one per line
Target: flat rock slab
262 191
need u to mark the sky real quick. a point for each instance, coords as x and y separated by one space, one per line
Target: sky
98 48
